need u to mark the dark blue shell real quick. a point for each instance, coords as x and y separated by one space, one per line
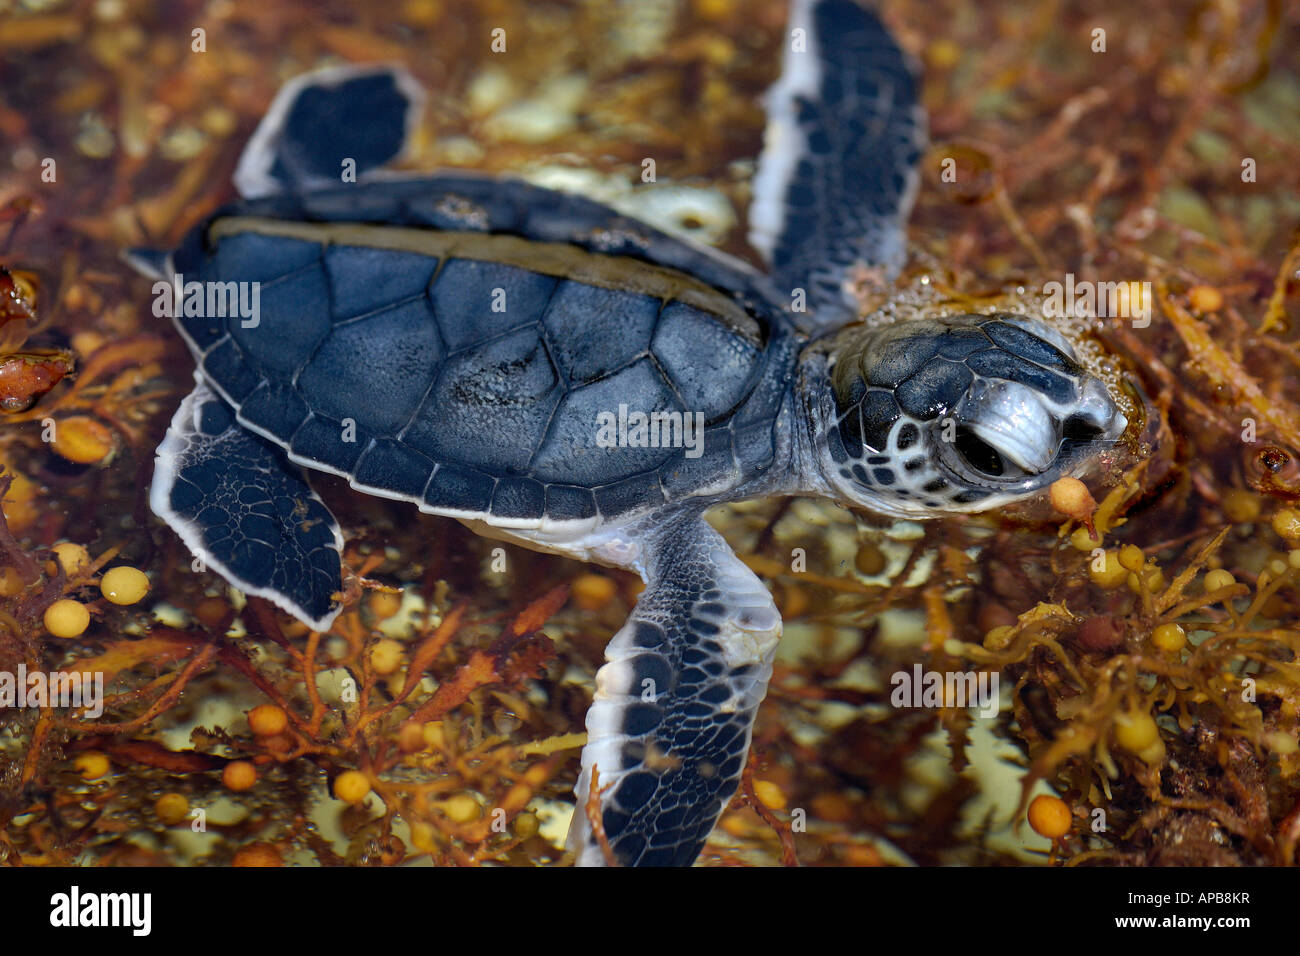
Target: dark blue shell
393 367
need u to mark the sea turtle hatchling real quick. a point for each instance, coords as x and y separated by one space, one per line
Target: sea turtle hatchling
554 373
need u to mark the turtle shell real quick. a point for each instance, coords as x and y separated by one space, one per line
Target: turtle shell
471 371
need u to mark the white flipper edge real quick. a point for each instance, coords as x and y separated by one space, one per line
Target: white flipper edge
670 724
180 441
253 178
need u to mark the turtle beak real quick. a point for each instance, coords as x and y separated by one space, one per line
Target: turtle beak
1009 434
1097 413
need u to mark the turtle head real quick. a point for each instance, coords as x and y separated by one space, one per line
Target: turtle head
961 413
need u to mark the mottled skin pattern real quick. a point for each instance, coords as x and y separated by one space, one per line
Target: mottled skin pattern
862 132
673 712
897 389
255 508
452 341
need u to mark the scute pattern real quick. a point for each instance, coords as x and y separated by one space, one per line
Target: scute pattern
364 279
298 333
251 257
934 389
1031 347
922 369
393 466
275 408
709 364
475 386
496 400
997 363
593 332
375 370
571 448
331 445
474 301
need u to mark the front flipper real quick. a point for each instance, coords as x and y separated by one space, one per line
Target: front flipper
670 725
837 177
319 120
246 512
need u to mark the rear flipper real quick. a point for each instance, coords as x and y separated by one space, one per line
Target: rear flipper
319 120
246 511
670 725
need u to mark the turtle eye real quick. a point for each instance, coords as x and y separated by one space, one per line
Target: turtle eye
979 454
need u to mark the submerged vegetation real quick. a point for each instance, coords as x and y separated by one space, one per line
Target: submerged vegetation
1151 673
